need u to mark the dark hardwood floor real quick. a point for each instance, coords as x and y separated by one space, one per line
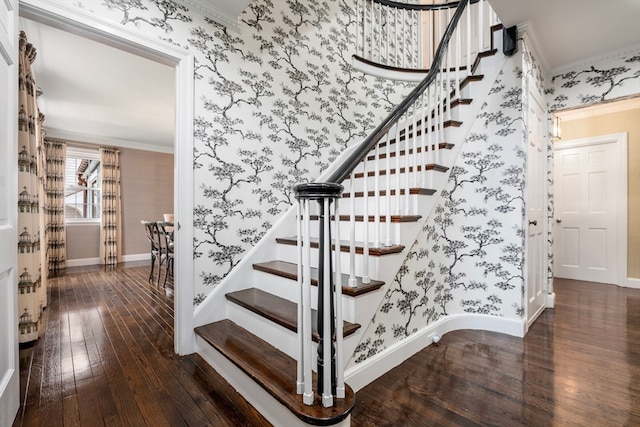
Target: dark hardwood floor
107 359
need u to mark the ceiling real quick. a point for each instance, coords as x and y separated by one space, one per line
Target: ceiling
571 31
100 94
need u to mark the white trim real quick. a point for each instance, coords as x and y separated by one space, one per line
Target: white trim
633 283
81 262
620 140
550 300
64 16
361 374
136 257
527 32
70 136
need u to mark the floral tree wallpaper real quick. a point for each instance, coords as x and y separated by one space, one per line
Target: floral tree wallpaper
598 82
275 104
469 254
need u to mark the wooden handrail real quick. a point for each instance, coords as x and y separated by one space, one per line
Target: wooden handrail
368 144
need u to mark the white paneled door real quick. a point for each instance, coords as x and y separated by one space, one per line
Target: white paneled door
590 215
9 371
536 197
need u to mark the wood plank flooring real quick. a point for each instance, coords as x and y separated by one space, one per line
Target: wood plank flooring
579 365
107 359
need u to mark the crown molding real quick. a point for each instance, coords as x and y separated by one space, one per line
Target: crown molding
528 34
224 12
587 62
86 139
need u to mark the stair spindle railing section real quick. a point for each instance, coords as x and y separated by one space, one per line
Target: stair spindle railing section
403 36
390 169
330 374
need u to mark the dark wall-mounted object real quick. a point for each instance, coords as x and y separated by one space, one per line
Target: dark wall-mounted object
510 40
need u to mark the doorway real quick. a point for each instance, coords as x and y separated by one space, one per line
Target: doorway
590 176
83 23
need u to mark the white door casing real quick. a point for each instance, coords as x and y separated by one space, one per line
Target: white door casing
9 362
65 16
590 177
536 208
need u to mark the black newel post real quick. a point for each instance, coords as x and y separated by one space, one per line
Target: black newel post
322 192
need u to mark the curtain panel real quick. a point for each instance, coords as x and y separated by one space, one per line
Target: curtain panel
111 229
31 287
56 154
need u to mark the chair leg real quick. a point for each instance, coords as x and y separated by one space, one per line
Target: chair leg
169 266
153 261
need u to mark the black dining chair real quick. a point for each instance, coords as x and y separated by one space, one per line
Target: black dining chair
165 230
154 237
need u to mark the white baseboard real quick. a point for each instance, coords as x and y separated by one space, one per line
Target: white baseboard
136 257
80 262
550 300
633 283
361 374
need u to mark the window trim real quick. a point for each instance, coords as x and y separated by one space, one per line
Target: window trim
89 154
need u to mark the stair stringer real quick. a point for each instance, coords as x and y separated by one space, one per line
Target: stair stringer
389 267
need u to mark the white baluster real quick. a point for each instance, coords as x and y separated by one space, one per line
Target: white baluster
397 186
458 63
340 389
365 253
352 235
448 64
373 21
300 364
468 27
388 189
480 26
376 195
404 39
308 395
388 36
358 24
407 159
430 123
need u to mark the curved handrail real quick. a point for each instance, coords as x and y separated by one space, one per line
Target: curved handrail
420 6
368 144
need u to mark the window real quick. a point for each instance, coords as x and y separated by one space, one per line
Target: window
82 198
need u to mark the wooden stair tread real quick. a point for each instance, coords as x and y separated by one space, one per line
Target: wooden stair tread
360 218
273 370
344 246
441 146
279 310
383 172
382 193
289 270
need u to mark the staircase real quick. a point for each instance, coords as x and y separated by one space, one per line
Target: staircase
249 324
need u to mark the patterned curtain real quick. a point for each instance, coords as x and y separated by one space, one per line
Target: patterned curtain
56 154
110 231
31 282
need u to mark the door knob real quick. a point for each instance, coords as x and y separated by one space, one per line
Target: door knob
534 222
558 220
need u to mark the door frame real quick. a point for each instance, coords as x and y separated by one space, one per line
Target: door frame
77 21
621 174
544 189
